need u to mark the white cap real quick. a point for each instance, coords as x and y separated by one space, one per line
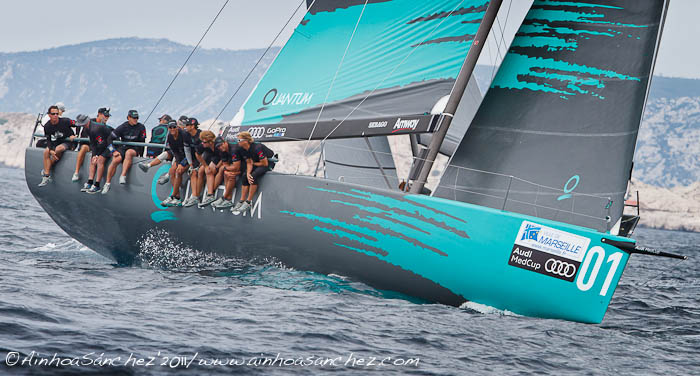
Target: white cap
61 106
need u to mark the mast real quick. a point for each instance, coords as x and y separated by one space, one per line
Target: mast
457 92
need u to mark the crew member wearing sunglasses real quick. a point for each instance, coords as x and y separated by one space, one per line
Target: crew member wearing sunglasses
59 137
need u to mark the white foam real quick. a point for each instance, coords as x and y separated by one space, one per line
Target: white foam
487 310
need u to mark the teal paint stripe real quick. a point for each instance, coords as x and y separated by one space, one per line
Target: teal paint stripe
154 185
450 221
558 30
161 216
573 4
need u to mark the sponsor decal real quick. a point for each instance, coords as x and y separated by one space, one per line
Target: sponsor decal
405 125
377 124
257 132
274 98
275 132
548 251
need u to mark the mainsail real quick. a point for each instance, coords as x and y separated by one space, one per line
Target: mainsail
555 134
361 68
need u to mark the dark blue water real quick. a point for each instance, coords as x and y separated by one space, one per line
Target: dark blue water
60 299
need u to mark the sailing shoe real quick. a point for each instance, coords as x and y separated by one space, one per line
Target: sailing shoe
86 187
94 189
217 202
45 179
206 201
191 201
237 206
167 201
175 202
241 209
164 178
224 204
105 189
144 166
122 180
75 178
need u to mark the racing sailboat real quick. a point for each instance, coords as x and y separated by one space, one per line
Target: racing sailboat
526 216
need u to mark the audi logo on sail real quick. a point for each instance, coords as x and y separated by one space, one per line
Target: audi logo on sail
257 132
561 268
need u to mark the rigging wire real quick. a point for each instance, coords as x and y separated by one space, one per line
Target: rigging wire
259 60
186 60
503 38
328 93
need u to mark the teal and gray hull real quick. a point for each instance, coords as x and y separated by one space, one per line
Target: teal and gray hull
435 249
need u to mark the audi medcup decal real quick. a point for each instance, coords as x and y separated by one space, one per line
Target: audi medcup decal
548 251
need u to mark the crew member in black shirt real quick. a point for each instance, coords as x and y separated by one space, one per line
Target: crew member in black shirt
59 135
176 142
213 168
255 157
193 147
84 146
231 155
101 149
130 131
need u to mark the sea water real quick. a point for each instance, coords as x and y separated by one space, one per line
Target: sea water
66 310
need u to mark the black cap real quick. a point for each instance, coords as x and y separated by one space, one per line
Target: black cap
172 124
134 114
183 119
218 142
104 111
165 117
192 121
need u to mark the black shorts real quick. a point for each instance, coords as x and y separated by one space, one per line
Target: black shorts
104 153
122 150
66 144
257 173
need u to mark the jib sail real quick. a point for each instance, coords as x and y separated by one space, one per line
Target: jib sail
554 136
361 68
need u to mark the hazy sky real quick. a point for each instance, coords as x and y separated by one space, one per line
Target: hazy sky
33 25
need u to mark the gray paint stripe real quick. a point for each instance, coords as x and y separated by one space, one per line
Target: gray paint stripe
563 134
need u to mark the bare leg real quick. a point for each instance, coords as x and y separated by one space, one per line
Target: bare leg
81 157
244 192
100 168
128 160
47 161
177 179
201 178
93 168
230 184
251 192
116 160
211 178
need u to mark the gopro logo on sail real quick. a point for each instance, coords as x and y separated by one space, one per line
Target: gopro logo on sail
403 125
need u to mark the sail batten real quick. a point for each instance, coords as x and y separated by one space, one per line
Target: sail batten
399 57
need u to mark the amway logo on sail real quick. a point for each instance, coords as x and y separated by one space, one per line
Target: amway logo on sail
403 125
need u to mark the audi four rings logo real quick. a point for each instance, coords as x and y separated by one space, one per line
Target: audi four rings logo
561 268
257 132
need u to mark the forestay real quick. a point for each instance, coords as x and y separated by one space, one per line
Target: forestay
360 68
562 114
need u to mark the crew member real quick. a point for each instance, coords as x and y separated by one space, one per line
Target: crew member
176 143
84 146
213 170
59 136
159 134
205 155
193 146
101 149
129 131
231 155
255 156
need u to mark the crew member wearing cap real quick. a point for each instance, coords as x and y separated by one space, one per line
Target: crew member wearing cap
176 143
101 149
59 136
129 131
255 156
84 146
159 134
193 147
